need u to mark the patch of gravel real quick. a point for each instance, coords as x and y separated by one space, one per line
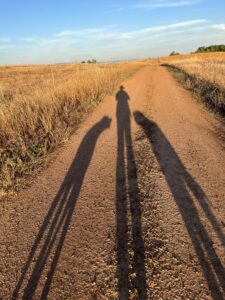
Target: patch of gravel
164 269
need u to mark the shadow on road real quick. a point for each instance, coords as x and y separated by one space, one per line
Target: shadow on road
48 244
52 233
128 203
184 187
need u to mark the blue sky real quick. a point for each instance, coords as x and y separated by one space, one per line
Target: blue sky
49 31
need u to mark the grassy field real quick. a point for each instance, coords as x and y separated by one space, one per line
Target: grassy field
40 106
203 73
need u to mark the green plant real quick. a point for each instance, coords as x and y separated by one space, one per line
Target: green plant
174 53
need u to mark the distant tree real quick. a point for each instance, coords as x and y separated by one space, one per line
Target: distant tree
93 61
201 50
212 48
83 62
174 53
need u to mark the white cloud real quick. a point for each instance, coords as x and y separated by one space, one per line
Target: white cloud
165 4
65 33
163 28
90 35
218 27
107 42
157 4
81 32
104 34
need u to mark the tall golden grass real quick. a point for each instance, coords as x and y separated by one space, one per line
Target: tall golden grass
41 105
204 74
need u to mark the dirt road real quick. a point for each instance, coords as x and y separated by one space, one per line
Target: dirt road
131 208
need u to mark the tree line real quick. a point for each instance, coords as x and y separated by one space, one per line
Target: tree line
203 49
212 48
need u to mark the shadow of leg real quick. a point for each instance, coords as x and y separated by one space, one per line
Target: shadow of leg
136 224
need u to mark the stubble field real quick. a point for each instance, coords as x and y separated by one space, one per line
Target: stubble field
40 106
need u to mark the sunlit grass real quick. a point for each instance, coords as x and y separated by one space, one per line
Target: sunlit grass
204 73
40 106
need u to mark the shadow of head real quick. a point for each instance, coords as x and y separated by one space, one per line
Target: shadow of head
105 122
142 120
122 95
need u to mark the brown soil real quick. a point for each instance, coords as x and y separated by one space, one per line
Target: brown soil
132 208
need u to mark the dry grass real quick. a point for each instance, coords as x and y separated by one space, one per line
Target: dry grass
204 74
40 106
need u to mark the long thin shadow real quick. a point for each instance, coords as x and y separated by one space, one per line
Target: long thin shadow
127 198
52 233
182 185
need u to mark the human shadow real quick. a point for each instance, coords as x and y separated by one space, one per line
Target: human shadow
127 199
184 189
52 233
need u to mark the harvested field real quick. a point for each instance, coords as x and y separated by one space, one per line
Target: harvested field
40 106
